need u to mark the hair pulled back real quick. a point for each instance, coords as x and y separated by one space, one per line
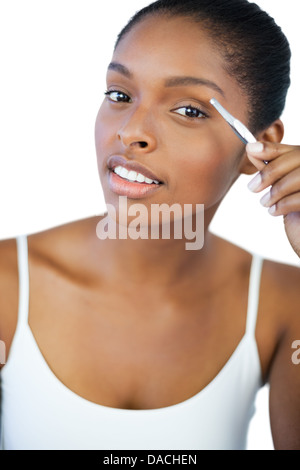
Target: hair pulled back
255 50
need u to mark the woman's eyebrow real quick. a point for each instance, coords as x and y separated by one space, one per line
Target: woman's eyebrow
117 67
188 81
176 81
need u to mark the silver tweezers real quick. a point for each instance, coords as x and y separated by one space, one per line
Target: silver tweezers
237 126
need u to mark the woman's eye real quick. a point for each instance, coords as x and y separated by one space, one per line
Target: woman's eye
118 96
190 112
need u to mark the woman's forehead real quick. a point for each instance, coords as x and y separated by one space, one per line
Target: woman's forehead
169 49
175 43
162 32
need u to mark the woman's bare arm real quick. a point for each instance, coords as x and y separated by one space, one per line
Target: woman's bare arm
9 289
284 377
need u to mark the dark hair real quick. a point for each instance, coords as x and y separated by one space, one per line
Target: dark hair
256 52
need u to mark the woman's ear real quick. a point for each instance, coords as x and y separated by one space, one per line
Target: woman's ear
273 133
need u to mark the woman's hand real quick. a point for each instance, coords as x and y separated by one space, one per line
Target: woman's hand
282 174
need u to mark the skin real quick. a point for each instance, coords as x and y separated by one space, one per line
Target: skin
148 308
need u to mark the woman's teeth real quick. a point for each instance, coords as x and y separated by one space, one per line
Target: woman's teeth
133 175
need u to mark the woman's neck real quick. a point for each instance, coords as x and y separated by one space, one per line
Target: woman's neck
157 262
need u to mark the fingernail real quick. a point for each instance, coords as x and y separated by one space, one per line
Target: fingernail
272 210
265 201
255 183
256 147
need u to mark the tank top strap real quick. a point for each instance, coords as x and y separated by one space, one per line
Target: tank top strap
253 293
23 267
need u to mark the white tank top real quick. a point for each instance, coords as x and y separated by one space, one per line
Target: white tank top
40 413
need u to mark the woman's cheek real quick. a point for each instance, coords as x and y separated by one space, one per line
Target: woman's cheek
101 126
103 139
205 176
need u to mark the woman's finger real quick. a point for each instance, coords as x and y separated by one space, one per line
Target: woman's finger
286 186
260 152
286 205
275 171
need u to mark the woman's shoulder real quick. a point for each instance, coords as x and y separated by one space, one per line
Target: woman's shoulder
278 321
280 282
8 273
61 238
57 240
9 287
56 248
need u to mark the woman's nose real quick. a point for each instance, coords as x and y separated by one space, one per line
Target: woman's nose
138 132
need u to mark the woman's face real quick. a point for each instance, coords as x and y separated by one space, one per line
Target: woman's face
157 115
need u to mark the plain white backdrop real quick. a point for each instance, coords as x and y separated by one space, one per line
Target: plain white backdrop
53 57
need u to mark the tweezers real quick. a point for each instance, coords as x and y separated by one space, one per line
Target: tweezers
237 126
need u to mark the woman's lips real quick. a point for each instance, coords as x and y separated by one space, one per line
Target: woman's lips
118 160
132 189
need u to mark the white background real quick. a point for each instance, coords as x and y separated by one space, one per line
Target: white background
53 55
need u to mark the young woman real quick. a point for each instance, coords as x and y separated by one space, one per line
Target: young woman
137 342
